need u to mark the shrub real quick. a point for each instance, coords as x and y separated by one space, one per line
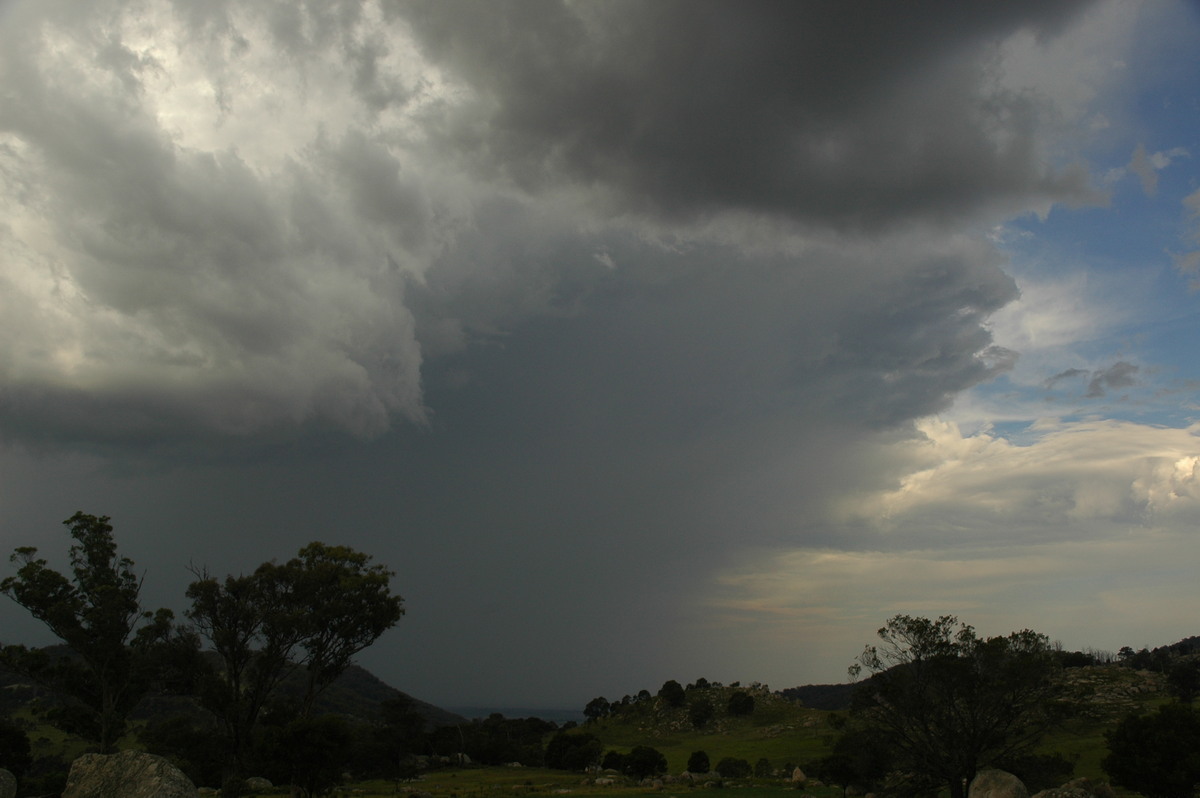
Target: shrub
741 703
644 761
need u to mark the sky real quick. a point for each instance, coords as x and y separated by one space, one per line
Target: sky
643 341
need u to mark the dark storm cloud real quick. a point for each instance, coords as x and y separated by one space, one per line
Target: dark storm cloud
1118 375
293 251
829 112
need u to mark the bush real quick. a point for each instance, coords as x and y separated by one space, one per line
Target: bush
731 768
698 762
614 760
644 761
1156 754
700 712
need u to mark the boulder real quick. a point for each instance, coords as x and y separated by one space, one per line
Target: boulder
997 784
129 774
8 784
257 784
798 776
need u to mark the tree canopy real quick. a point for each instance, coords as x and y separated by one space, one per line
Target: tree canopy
948 702
95 612
315 612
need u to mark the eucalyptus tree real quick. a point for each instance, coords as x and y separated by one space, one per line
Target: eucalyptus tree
948 702
112 643
308 616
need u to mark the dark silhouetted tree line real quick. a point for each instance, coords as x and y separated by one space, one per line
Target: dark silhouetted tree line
302 620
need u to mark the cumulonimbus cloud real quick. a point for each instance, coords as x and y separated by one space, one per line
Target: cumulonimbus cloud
235 219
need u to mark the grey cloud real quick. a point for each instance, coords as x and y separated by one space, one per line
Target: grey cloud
1118 375
223 291
194 292
844 113
1068 374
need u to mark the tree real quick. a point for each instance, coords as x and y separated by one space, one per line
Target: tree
613 760
95 613
312 752
573 751
597 708
344 604
949 702
316 612
698 762
672 693
741 703
643 762
1183 678
859 758
253 640
1157 755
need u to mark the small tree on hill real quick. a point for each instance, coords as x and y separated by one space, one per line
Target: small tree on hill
672 693
700 712
597 708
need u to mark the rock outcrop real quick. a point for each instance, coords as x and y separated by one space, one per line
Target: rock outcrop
129 774
8 784
1079 788
997 784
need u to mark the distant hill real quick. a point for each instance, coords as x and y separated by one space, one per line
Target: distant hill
831 697
357 693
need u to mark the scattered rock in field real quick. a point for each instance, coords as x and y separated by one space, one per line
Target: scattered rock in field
997 784
129 774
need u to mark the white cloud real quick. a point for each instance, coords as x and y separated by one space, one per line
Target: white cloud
1084 534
